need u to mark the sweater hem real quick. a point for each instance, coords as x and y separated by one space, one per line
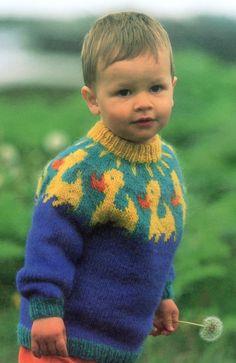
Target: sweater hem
85 349
45 308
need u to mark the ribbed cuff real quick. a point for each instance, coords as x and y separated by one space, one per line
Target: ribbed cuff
41 307
168 292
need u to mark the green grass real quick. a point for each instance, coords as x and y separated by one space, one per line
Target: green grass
9 349
202 129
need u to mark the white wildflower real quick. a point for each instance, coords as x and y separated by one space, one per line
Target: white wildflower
55 141
212 329
9 154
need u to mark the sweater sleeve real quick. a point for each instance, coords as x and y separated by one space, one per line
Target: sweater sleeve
168 292
180 190
54 246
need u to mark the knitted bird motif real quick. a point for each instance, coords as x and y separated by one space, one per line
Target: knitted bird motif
65 192
110 183
178 198
158 226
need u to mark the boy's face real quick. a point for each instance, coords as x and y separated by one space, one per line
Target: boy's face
134 97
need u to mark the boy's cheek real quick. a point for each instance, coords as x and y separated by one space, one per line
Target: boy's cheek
115 119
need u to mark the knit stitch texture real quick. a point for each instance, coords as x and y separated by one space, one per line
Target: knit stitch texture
107 221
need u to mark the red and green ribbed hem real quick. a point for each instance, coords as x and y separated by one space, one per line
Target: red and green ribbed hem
41 307
85 349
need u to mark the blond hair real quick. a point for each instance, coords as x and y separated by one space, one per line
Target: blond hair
120 36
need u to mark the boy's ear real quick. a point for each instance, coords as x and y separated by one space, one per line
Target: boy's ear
174 81
90 98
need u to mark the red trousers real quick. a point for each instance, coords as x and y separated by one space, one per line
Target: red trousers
26 356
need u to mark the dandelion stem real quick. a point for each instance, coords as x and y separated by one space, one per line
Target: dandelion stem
190 323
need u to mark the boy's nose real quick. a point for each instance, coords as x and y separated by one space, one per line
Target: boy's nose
142 102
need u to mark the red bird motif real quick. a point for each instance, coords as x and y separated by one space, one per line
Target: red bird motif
57 163
176 200
98 184
145 203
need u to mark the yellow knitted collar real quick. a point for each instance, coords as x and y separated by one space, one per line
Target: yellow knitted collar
135 153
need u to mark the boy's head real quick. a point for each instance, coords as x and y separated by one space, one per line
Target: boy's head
128 73
120 36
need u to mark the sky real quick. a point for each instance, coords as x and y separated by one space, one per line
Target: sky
75 8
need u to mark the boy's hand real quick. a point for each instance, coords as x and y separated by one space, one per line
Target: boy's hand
166 318
48 337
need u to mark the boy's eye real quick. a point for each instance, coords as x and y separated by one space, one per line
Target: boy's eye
157 88
124 92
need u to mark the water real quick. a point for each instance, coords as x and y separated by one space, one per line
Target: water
20 65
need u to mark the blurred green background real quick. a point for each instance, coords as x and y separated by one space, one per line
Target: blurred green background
41 112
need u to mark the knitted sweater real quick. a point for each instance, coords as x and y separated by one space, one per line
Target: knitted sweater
108 218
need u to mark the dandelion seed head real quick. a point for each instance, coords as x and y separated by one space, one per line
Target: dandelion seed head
212 329
55 141
9 154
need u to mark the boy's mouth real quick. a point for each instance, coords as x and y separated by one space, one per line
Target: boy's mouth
144 121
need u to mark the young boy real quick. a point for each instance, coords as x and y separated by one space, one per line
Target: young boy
110 210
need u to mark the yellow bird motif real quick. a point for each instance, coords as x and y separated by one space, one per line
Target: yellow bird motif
178 198
158 226
65 192
110 183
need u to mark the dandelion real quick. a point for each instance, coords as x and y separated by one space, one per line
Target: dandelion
9 154
211 328
55 141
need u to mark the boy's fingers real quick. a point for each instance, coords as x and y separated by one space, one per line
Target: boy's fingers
51 348
168 326
45 348
172 323
61 348
175 318
157 329
35 349
154 331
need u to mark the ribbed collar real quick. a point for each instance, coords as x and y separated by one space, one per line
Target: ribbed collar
135 153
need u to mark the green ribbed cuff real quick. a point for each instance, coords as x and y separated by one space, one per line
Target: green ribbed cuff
41 307
168 292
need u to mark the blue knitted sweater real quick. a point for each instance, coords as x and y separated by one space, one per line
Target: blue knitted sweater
107 221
